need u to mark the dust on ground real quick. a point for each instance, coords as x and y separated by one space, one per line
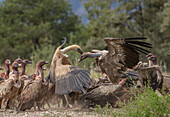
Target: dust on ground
54 113
50 113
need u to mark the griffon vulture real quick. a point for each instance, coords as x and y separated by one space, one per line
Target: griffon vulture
66 77
122 54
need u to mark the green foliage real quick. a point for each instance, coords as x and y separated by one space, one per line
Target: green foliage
130 19
28 25
44 52
108 111
148 104
142 104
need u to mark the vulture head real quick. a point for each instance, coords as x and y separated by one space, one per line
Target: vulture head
7 62
78 49
149 55
89 55
72 47
19 60
15 65
39 69
26 62
41 63
153 59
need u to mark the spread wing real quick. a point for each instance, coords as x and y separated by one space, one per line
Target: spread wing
126 51
68 78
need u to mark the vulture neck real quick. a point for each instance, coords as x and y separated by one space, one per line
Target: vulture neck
155 62
69 48
7 70
93 55
39 72
151 63
23 69
15 71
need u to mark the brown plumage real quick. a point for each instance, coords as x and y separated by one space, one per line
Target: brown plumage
151 74
122 54
32 90
10 87
67 78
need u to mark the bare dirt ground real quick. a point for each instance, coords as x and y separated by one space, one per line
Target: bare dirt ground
55 113
50 113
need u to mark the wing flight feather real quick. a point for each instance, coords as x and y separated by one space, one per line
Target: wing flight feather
70 78
130 48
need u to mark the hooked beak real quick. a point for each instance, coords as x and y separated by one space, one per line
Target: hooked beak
29 62
80 51
82 58
79 60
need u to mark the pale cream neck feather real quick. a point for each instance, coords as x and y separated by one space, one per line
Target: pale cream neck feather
69 48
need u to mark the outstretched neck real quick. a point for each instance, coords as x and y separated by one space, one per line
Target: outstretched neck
67 49
93 55
7 70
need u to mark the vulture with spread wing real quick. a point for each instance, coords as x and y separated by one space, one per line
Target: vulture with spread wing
66 77
122 54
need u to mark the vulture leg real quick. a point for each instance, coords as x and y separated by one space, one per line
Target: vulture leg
48 105
76 102
58 102
4 103
62 97
19 106
67 100
35 105
39 108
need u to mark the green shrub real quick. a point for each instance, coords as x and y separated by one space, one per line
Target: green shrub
148 104
144 103
108 111
44 52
